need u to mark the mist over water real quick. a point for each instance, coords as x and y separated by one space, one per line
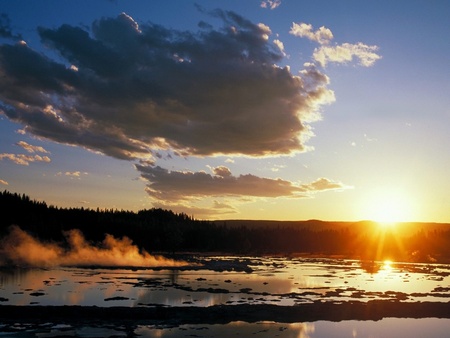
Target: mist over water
20 248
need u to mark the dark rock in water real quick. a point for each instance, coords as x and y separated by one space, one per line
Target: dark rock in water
245 290
37 294
3 299
116 298
213 290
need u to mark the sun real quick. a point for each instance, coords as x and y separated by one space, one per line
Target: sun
388 207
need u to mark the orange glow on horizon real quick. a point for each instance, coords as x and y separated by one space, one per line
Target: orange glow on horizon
388 207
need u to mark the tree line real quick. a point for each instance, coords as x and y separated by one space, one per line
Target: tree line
159 230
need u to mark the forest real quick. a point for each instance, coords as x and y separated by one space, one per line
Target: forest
158 230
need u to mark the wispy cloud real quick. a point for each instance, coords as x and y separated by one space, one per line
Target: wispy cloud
71 174
342 53
25 160
323 184
4 182
130 90
270 4
206 212
5 28
22 159
31 148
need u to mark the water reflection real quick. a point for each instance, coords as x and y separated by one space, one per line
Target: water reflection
241 329
273 281
385 328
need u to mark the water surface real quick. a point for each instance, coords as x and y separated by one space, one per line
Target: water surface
232 281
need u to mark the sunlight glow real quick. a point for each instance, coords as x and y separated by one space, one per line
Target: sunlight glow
387 265
388 207
386 225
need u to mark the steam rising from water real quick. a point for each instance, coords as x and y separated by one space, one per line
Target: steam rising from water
20 248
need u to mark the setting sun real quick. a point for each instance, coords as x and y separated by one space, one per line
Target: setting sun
389 207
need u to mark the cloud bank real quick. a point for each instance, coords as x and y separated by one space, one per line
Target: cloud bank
128 90
174 186
142 92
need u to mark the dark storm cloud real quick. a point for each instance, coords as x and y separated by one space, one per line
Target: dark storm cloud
129 90
184 185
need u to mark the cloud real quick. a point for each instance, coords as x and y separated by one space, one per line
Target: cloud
24 159
5 28
186 185
323 35
280 46
4 182
71 174
346 53
342 53
221 205
30 148
270 4
323 184
129 90
222 171
207 212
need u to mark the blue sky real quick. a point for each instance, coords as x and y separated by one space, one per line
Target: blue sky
334 110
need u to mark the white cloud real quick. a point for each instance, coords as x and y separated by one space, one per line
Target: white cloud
280 46
346 53
323 35
342 53
4 182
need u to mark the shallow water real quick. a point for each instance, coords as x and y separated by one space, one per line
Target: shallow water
272 281
232 281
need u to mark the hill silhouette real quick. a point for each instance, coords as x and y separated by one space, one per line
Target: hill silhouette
159 230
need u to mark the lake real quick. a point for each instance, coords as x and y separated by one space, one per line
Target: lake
293 297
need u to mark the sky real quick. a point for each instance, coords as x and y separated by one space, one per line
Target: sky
274 109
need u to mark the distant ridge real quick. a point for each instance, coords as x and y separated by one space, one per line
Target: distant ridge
315 224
